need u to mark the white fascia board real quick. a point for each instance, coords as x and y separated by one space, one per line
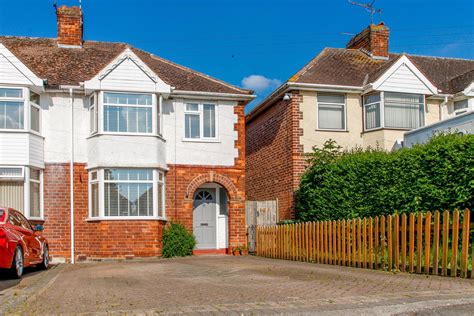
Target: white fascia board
469 91
95 83
211 95
404 60
37 84
324 87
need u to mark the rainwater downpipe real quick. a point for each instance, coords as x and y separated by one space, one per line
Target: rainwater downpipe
71 173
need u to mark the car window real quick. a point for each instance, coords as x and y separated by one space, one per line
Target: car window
24 222
13 219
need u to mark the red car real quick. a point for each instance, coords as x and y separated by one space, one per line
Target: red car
21 245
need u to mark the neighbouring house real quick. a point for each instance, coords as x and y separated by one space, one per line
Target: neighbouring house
104 143
361 95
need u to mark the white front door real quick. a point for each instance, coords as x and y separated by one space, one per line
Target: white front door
204 218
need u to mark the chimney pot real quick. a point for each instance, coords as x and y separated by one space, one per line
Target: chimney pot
70 26
373 40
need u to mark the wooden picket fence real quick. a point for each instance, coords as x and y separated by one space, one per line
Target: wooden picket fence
438 244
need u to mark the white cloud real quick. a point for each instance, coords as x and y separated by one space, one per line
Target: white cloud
259 83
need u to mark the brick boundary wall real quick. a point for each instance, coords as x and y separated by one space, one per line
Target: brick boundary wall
96 239
275 157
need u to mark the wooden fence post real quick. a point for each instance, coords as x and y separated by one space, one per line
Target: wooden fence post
371 238
427 242
465 243
376 242
390 242
382 241
396 241
343 242
404 243
359 243
419 244
411 239
444 258
364 243
455 242
436 243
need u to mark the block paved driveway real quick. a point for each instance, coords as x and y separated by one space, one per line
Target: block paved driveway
226 284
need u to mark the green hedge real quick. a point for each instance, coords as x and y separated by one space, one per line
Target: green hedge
177 241
346 184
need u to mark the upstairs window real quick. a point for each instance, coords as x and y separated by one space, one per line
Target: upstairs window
35 111
128 113
93 114
461 106
11 108
404 110
200 121
394 110
331 111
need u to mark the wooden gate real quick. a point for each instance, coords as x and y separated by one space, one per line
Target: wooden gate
259 213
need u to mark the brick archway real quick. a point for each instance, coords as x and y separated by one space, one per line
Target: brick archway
212 177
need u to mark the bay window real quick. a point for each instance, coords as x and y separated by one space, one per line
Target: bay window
21 189
128 112
126 193
394 110
12 109
200 121
331 111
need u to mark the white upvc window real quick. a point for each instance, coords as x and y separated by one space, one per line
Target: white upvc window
461 106
120 193
21 188
93 114
12 108
200 120
35 112
394 110
130 113
331 111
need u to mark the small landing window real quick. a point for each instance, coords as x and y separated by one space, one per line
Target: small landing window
331 111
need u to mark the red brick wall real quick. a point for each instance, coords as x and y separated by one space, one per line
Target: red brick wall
139 238
275 158
373 39
70 25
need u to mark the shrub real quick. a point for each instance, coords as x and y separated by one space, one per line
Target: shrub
358 183
177 241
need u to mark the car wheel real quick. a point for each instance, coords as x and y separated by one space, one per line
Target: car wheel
45 263
17 264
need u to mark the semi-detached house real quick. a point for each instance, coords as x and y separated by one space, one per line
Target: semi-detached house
104 144
361 95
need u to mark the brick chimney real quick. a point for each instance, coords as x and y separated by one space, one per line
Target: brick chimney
373 40
70 25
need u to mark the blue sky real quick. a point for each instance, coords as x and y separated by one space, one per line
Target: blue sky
251 43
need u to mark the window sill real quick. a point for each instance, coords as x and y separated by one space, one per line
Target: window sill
200 140
332 130
390 129
22 131
136 218
126 134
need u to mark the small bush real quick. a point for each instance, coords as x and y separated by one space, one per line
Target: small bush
177 241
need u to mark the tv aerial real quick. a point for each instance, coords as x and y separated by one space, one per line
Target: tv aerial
369 7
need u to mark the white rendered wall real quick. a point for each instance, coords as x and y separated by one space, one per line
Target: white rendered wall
56 127
220 152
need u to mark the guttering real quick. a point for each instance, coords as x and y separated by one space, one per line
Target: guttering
216 95
287 86
71 166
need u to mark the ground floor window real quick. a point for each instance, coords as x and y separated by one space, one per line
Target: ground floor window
21 189
126 193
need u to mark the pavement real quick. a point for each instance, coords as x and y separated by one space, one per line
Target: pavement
232 285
